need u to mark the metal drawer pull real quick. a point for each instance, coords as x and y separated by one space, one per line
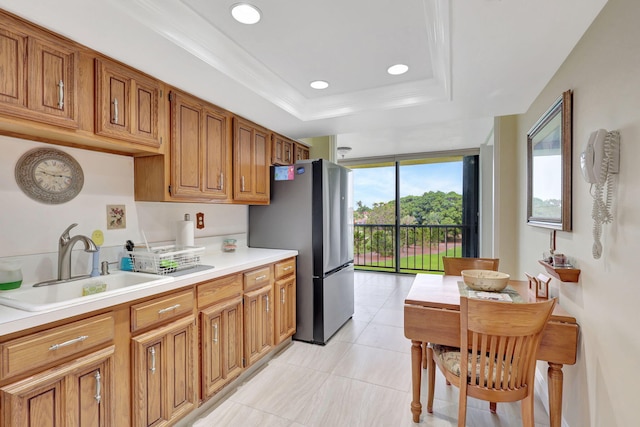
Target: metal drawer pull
152 350
288 268
264 276
66 343
115 110
98 386
60 94
215 333
164 310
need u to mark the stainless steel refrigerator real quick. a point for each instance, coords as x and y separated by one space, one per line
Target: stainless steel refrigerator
311 210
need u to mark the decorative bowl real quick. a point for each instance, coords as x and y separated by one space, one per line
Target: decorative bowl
485 280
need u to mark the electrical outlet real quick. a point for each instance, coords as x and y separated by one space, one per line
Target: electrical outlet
200 220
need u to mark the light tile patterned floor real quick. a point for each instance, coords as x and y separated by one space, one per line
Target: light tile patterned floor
362 377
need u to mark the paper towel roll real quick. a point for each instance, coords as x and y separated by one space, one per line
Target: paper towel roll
184 233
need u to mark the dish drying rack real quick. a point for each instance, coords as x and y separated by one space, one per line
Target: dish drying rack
165 259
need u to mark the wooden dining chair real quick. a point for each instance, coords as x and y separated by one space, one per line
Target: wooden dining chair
502 339
454 265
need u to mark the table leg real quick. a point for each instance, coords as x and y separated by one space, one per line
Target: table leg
554 379
416 377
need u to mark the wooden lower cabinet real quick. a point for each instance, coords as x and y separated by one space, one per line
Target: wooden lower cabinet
258 323
164 373
221 344
285 308
78 393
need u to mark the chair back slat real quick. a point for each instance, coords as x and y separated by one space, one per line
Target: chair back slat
454 265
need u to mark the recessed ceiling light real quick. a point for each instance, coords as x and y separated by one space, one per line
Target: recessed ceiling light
319 84
245 13
397 69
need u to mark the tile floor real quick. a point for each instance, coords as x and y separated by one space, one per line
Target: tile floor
362 377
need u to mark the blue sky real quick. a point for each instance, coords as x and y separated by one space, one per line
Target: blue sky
373 185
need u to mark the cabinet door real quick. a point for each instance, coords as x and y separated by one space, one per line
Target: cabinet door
79 393
186 136
164 374
126 104
216 155
285 308
302 152
258 316
221 345
52 81
13 82
251 154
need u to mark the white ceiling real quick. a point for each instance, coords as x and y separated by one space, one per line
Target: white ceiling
470 60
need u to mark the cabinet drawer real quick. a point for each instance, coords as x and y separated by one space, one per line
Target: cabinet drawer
43 348
257 278
161 309
285 268
219 289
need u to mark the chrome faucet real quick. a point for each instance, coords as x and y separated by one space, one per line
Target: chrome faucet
65 244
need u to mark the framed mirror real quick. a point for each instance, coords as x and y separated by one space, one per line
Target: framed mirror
549 167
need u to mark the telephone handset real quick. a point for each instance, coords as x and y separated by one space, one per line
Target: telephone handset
598 161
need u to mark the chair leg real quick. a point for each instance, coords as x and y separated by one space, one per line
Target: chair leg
526 409
431 375
492 407
462 405
424 355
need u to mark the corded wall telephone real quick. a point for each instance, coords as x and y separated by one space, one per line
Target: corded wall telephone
598 161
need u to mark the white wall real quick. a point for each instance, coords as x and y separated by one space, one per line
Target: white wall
604 73
28 227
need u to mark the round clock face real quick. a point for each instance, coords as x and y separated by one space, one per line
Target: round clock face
48 175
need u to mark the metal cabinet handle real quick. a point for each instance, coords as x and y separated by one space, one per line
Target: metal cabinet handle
215 333
264 276
242 185
288 268
152 350
267 298
66 343
282 295
115 110
221 181
164 310
60 94
98 386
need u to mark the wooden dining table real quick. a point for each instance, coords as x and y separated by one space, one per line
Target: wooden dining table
432 314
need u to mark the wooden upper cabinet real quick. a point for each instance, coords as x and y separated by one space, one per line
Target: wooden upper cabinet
302 152
126 104
200 149
38 75
281 150
251 161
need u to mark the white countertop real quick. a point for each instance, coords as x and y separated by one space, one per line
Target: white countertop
224 263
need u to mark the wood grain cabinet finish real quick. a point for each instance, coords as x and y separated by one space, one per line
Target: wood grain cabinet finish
78 393
162 309
38 75
258 323
126 104
200 150
164 373
302 152
285 300
52 345
281 150
221 344
251 161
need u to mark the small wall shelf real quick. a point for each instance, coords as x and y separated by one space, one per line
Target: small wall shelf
565 274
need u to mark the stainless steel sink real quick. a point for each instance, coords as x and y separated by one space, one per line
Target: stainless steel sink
66 294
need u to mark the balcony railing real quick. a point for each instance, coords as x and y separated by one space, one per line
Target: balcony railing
421 246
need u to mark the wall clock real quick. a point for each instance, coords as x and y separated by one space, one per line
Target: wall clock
49 176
